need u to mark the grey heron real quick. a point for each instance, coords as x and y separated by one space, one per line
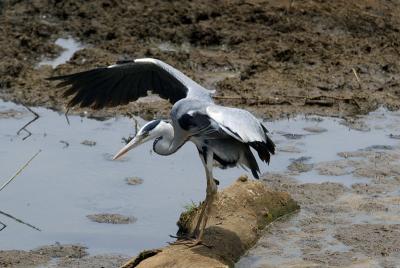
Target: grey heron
221 134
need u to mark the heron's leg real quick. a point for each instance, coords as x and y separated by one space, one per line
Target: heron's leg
206 207
203 207
196 232
206 159
210 195
200 219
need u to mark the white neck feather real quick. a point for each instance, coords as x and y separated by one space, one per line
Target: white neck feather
165 143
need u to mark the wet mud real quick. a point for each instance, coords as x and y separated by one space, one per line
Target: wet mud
338 226
275 58
58 255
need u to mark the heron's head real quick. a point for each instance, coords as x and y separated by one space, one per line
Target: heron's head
152 130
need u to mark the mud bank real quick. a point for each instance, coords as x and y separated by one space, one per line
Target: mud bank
57 255
276 58
338 226
239 214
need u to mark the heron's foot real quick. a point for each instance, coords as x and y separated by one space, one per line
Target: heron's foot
190 243
183 236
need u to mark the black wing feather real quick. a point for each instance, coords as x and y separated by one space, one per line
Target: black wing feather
127 81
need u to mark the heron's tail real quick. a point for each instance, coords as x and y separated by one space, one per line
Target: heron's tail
264 148
251 163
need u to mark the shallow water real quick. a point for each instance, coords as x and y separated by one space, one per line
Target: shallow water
66 183
70 46
63 185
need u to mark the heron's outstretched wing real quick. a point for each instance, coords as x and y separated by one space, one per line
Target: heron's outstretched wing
243 126
127 81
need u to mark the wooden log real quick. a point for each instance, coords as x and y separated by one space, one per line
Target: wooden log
239 215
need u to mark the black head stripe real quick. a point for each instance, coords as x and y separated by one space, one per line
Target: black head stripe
151 125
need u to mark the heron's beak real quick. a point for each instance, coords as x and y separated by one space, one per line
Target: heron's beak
132 144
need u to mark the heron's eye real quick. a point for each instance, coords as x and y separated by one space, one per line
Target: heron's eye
145 134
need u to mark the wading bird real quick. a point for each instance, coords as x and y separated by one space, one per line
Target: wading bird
221 134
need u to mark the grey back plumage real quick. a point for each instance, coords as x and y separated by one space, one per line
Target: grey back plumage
228 132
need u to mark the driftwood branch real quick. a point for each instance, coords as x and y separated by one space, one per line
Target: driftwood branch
36 117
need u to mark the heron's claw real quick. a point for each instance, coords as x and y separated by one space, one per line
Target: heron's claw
190 242
183 237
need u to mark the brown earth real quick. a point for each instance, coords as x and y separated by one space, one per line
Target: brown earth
276 58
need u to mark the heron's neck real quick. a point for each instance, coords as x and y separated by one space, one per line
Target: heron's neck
167 143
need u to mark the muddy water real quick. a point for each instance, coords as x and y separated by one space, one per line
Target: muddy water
71 179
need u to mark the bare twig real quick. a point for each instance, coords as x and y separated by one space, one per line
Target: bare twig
19 171
2 227
27 136
5 184
357 77
66 116
322 100
18 220
27 124
255 101
318 97
66 144
287 96
136 125
228 97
